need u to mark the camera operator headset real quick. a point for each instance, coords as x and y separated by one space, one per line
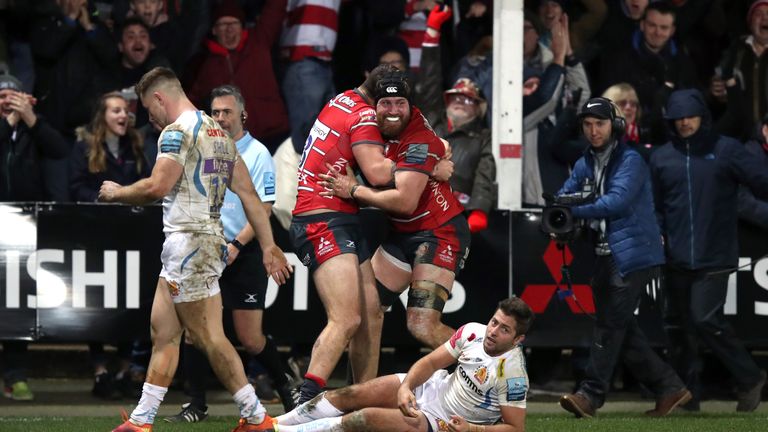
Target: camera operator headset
628 252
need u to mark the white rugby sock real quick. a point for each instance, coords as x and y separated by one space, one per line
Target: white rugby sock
249 405
332 424
314 409
151 397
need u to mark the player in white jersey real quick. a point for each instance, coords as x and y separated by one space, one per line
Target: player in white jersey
490 383
196 163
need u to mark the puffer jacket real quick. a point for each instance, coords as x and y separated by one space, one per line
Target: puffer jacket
696 181
626 205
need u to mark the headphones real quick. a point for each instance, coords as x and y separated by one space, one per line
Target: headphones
618 122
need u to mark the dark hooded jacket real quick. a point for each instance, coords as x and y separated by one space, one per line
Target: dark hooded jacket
696 182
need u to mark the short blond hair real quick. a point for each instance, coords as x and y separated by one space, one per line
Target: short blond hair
621 92
159 76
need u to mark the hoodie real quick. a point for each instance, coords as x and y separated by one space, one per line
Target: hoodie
696 182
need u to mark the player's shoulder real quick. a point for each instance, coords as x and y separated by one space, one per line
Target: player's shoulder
512 363
467 333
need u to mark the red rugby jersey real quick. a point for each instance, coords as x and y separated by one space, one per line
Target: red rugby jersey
347 120
419 149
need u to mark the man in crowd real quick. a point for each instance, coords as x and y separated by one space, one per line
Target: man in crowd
490 383
197 162
430 237
243 282
696 177
628 252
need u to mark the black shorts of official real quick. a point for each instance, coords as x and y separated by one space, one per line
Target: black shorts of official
244 282
446 246
320 237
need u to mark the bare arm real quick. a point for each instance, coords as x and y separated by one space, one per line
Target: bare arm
403 199
258 218
245 236
376 168
514 421
164 176
417 375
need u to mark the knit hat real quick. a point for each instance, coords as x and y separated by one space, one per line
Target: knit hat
9 82
754 7
229 8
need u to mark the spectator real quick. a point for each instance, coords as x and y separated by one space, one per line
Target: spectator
582 30
548 125
72 52
751 209
696 175
746 61
237 56
621 22
460 120
25 138
653 64
175 35
307 49
628 252
635 133
137 57
109 148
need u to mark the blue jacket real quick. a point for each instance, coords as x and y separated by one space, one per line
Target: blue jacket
626 205
696 182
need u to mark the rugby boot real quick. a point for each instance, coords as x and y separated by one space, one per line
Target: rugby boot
127 426
266 425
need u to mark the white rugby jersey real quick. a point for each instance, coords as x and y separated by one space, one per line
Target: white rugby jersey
481 384
208 156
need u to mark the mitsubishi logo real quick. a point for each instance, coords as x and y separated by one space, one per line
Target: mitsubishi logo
323 243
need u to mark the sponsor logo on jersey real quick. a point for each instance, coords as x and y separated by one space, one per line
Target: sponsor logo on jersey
516 389
269 183
481 374
416 153
500 369
442 425
346 100
320 131
487 401
440 199
306 260
218 166
468 381
171 141
216 133
446 255
173 287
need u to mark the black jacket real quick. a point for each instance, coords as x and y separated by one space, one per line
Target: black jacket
751 209
21 174
474 174
84 185
696 182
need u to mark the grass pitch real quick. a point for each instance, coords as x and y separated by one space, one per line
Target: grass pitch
609 422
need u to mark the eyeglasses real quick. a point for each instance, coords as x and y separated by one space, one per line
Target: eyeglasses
631 103
463 99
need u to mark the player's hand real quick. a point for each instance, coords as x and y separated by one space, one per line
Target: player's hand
458 424
406 401
337 184
107 191
232 253
277 264
443 170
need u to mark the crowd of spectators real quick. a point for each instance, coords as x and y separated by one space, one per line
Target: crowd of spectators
69 117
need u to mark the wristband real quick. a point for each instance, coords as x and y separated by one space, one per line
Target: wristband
239 246
352 190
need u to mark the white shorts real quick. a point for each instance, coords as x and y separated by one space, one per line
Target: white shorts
428 400
192 265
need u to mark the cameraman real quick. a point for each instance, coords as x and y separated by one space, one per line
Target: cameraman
629 250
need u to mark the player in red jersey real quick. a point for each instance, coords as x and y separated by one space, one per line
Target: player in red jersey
327 236
430 240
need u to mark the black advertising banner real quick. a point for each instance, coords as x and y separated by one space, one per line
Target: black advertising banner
18 243
88 273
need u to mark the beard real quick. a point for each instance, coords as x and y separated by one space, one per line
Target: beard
390 129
